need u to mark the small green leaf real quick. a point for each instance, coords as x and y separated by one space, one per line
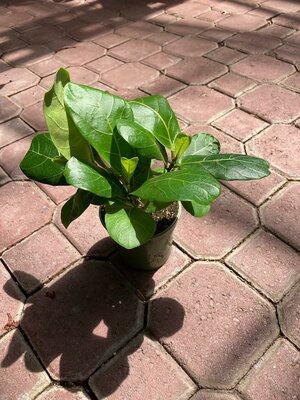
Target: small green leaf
75 206
42 162
156 116
154 206
230 166
182 142
196 209
95 113
141 139
131 227
190 184
202 144
63 132
99 182
129 166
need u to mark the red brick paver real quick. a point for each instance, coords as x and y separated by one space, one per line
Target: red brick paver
229 68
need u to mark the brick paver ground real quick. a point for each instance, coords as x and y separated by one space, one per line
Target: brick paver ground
219 321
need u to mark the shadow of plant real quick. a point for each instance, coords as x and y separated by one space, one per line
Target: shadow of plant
82 318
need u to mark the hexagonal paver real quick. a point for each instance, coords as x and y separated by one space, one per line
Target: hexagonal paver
257 191
280 145
3 177
27 55
164 85
110 40
188 26
241 23
8 109
15 80
46 67
214 395
188 9
57 193
20 380
82 75
292 82
142 368
275 376
129 76
291 20
13 130
263 68
272 103
60 393
34 116
268 263
138 30
282 5
134 50
161 60
9 18
12 301
288 312
225 55
226 324
29 97
277 31
87 233
24 209
147 282
232 84
190 46
229 7
200 104
43 255
282 214
216 34
41 34
80 54
103 64
253 42
195 71
80 319
163 38
230 220
240 124
289 54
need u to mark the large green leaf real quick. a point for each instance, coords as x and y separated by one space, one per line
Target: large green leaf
202 144
230 166
95 114
155 115
129 227
75 206
141 174
43 162
141 139
99 182
64 133
196 209
193 184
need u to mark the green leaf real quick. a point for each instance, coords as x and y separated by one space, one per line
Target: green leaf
230 166
129 166
64 134
129 227
202 144
193 184
156 116
99 182
42 162
95 114
154 206
142 173
141 139
182 142
75 206
196 209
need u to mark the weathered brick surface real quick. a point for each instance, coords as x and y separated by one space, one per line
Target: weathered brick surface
13 130
276 376
275 267
143 368
102 316
232 84
221 336
60 393
288 312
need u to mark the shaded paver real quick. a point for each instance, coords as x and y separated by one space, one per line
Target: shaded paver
229 68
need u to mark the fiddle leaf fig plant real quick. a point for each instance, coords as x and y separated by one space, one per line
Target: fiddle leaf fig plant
129 157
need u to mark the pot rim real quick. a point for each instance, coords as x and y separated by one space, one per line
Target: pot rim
160 233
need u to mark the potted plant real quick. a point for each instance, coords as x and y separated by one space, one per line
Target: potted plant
132 159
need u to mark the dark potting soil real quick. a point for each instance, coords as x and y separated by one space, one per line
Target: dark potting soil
165 217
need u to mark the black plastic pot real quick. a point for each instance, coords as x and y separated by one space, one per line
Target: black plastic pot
151 255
